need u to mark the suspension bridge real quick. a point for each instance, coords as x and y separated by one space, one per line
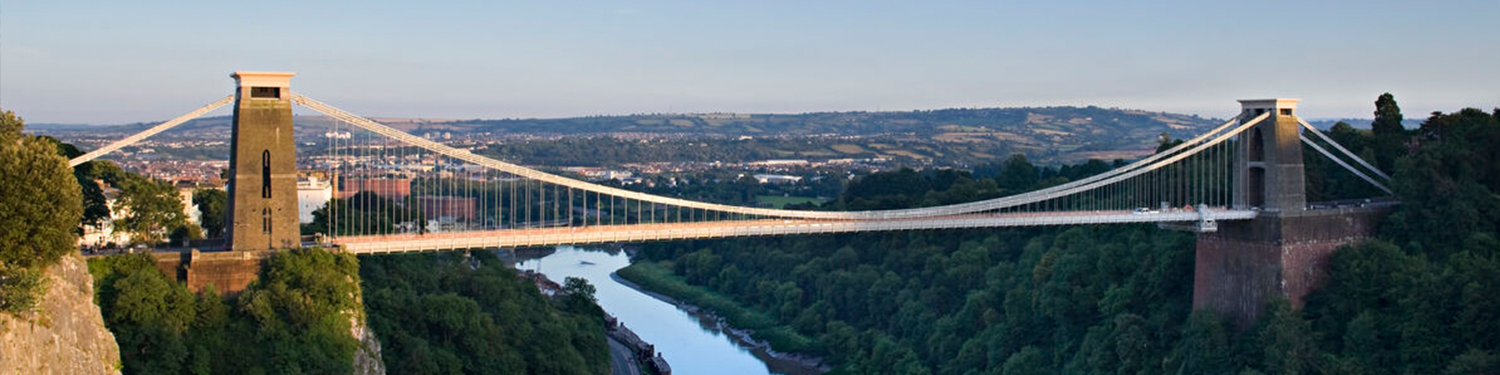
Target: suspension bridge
400 192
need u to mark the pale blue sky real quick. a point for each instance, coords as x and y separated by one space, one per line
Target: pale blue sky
127 61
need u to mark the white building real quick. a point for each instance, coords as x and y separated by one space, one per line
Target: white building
194 215
312 194
105 234
777 179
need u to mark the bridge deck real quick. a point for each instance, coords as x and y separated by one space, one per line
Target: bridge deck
506 238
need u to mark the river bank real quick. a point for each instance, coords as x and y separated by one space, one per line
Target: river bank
761 348
636 352
693 343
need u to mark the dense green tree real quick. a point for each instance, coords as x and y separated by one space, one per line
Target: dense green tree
442 314
304 299
212 205
1474 361
1117 299
1285 341
95 207
1333 182
41 204
1018 175
578 296
886 190
150 315
365 213
294 319
1390 136
1204 347
1166 142
1448 186
152 209
1028 361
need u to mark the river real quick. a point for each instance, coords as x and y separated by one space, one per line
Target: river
691 344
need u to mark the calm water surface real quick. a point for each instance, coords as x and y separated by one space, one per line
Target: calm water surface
690 345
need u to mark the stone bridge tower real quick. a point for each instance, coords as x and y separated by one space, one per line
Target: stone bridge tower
262 165
1284 251
1268 160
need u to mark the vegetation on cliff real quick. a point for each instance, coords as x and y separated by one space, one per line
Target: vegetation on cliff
40 205
294 319
447 314
1116 299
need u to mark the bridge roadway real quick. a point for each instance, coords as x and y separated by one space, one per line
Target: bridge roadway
510 238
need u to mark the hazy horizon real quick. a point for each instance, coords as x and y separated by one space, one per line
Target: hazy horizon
109 63
223 112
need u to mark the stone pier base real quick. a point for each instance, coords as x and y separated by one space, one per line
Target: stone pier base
1246 263
230 272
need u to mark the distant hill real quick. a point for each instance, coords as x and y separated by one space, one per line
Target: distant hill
1066 129
1049 120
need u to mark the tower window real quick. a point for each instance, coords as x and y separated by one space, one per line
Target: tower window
265 93
265 220
265 174
1286 111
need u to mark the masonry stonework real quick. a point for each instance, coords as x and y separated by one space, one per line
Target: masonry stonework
1282 253
262 165
1247 263
230 272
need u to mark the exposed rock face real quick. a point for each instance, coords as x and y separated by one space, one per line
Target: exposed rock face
367 360
66 335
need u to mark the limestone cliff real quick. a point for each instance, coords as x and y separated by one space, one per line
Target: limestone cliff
367 360
66 334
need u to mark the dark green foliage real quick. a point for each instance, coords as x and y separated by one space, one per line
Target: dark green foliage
1386 312
21 289
40 206
1116 299
908 188
1203 348
445 314
1389 135
1334 182
1010 301
303 301
153 206
578 296
95 207
364 213
294 319
1017 175
213 205
1284 341
882 188
1449 185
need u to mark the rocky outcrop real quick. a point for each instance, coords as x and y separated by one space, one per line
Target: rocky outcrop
66 334
367 360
